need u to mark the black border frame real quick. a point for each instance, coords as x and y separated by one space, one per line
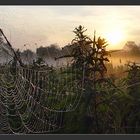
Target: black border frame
70 137
70 2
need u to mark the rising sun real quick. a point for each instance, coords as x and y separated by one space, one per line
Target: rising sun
114 37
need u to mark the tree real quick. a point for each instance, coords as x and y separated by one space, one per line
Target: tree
90 52
49 51
28 55
89 56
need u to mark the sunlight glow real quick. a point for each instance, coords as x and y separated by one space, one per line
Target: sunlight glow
114 37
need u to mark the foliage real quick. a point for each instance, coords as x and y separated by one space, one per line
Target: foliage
109 105
49 51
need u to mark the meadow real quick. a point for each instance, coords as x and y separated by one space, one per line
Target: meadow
94 94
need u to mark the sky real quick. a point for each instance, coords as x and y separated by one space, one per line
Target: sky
45 25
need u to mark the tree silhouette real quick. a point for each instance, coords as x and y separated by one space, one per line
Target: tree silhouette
90 52
89 55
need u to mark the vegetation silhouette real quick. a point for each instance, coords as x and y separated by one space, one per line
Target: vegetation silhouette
110 101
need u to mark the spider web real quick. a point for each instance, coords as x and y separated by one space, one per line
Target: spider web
35 101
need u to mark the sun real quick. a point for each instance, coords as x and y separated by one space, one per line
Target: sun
114 37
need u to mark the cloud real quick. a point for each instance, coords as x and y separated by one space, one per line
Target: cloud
54 24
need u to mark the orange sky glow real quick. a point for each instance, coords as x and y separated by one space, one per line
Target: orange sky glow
45 25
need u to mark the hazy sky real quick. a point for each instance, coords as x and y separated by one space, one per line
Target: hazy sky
45 25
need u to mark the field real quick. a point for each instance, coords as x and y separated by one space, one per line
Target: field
93 94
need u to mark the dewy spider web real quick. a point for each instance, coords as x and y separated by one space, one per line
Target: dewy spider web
36 101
